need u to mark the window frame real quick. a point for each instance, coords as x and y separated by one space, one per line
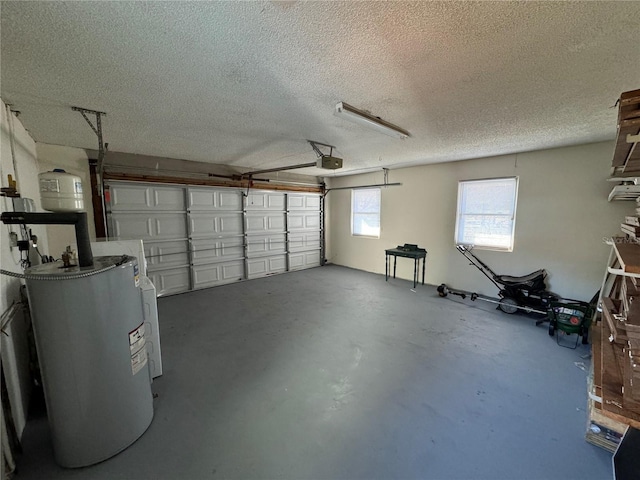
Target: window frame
354 214
460 214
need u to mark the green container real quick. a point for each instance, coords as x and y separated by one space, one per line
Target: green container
570 316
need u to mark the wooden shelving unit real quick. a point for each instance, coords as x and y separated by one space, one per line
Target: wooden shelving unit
626 157
614 392
625 166
616 396
629 192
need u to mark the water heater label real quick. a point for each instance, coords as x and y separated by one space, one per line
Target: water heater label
138 349
136 339
139 360
49 185
136 274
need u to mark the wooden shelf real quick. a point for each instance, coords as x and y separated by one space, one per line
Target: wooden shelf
611 307
626 157
597 416
613 370
629 256
624 192
596 355
613 401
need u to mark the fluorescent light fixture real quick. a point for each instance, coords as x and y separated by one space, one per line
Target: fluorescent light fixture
358 116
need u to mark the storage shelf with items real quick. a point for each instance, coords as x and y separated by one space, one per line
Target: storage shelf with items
604 429
628 189
625 166
616 339
626 156
631 226
614 384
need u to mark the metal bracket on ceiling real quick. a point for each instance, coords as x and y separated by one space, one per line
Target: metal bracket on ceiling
97 129
102 147
385 172
314 145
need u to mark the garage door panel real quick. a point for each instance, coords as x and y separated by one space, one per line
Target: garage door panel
257 200
302 260
207 250
208 224
169 281
266 244
149 225
129 227
263 266
209 275
166 254
297 201
255 224
303 221
265 223
304 241
230 225
132 197
207 199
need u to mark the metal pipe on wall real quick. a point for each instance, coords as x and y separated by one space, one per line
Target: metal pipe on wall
77 219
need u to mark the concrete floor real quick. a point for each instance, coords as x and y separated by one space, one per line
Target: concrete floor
333 373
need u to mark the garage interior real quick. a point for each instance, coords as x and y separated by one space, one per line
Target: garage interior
215 134
368 380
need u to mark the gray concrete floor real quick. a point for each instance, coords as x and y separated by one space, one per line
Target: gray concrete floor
333 373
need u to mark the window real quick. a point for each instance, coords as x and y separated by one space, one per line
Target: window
487 213
365 212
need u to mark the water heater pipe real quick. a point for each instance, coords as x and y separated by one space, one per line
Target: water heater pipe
77 219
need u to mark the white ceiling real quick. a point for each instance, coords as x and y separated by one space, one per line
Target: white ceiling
246 83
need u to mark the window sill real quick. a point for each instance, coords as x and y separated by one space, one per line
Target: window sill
489 248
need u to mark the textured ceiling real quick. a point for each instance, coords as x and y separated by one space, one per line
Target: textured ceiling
246 83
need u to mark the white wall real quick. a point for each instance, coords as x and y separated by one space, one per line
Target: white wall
75 161
562 217
25 169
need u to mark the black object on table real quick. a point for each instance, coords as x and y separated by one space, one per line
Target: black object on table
408 250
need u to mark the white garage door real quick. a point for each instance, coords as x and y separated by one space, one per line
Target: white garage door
303 226
215 235
197 237
157 215
266 233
